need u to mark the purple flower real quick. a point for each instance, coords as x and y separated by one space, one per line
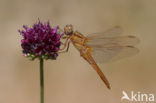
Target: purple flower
40 41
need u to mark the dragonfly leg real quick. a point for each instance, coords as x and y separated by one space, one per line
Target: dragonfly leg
64 37
66 45
66 42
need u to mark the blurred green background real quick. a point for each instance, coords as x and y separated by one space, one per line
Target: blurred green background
70 79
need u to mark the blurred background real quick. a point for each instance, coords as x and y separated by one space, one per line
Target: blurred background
70 79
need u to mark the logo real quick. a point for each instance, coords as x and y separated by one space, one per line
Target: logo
137 97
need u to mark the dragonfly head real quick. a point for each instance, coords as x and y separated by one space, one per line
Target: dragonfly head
68 29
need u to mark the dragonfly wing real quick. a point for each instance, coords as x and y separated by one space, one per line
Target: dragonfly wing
109 54
119 40
115 31
107 49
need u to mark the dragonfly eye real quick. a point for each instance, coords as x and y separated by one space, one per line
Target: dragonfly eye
68 29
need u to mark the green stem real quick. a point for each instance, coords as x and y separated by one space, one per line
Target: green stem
41 81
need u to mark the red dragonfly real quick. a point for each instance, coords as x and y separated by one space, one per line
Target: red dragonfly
100 47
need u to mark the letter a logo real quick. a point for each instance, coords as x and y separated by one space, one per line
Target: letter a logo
125 96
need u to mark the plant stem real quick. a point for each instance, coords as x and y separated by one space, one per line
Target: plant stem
41 81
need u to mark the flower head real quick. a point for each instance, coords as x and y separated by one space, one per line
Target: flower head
40 41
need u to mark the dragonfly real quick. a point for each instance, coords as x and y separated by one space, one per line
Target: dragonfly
100 47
